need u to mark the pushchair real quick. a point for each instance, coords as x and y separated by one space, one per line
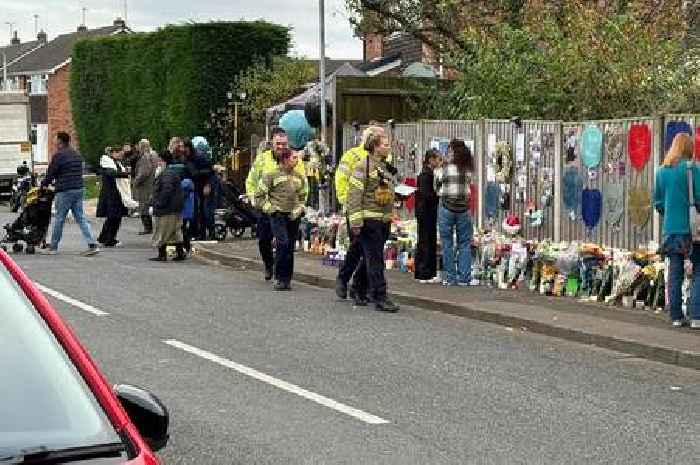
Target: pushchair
32 224
236 217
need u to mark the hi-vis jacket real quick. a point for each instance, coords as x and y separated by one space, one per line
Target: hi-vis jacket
345 170
266 163
282 191
368 175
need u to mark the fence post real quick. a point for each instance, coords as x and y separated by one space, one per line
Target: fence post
657 156
479 156
558 160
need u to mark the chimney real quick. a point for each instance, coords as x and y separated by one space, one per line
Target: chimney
42 37
120 23
373 47
82 28
15 40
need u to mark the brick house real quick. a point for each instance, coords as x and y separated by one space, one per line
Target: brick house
399 54
44 73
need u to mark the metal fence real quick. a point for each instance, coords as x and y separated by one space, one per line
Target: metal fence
539 161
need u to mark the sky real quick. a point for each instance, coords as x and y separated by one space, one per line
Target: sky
62 16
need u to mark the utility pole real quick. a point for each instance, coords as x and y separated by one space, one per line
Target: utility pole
36 25
12 26
322 68
5 84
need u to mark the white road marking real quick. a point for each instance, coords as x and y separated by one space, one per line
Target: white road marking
319 399
71 301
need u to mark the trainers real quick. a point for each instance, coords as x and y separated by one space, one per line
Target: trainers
268 274
695 324
678 323
341 289
448 283
49 252
92 250
280 286
386 306
435 280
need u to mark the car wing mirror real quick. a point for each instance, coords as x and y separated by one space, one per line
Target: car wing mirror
147 412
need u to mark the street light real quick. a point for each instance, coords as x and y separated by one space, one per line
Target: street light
239 101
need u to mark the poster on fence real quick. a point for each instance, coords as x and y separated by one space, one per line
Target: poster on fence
442 144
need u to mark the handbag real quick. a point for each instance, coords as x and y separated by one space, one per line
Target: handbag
693 215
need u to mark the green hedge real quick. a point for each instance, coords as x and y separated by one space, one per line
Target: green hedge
164 83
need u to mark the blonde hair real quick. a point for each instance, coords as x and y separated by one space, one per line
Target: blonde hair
370 132
681 148
174 142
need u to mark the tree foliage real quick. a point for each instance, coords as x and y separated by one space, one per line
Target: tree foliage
163 83
574 61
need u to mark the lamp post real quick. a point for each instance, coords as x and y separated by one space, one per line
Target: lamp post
239 101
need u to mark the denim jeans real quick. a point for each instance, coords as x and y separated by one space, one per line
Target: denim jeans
448 221
677 247
71 200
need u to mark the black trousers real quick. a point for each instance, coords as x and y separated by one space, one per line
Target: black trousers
426 250
110 228
187 234
372 238
264 233
353 267
147 223
284 230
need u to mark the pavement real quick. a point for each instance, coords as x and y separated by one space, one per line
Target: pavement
636 332
252 376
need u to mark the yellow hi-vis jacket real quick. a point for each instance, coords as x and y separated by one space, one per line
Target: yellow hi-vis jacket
266 163
345 170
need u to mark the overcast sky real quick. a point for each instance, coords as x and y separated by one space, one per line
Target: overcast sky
61 16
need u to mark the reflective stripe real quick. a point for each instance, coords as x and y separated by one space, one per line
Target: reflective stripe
356 216
357 183
280 179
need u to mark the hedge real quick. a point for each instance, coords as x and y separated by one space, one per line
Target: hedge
164 83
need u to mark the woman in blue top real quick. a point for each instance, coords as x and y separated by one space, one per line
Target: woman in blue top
671 200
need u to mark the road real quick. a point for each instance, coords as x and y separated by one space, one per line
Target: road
257 377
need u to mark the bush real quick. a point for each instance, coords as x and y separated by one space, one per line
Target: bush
164 83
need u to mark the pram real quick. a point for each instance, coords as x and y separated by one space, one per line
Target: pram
236 217
32 224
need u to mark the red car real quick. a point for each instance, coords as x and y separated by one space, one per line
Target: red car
55 404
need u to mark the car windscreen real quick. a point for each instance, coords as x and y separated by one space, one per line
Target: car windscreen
44 401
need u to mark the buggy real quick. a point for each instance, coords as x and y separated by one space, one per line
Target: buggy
236 217
32 224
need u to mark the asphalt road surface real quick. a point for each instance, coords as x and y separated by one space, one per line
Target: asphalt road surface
257 377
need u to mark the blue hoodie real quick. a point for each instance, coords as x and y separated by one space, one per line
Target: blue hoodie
188 208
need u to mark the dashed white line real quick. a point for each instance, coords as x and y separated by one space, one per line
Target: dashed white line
319 399
71 301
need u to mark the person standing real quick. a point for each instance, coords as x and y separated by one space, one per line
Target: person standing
672 201
66 171
427 203
264 163
199 169
370 207
144 176
282 194
452 183
111 203
168 203
352 266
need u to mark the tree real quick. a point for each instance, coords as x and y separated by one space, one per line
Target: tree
575 62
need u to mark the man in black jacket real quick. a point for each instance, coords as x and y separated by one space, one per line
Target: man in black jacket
66 172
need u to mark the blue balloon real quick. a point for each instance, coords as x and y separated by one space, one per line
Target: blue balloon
298 129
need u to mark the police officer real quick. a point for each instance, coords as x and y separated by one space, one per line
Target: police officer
370 202
264 163
353 257
282 195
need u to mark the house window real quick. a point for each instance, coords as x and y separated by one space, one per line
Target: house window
37 85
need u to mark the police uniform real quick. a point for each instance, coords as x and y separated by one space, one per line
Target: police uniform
266 163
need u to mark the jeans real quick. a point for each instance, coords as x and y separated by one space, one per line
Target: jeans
448 221
677 247
71 200
264 233
285 230
372 238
